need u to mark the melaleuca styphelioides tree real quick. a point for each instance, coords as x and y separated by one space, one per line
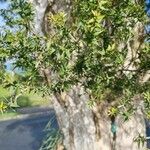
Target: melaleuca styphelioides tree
92 58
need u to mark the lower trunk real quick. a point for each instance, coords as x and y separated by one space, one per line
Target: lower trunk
87 129
129 131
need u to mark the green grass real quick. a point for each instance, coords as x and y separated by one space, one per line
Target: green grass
4 93
31 99
25 100
8 115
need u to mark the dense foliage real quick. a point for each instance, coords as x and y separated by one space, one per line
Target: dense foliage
85 50
88 47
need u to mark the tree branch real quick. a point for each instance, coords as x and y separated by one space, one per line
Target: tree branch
145 78
40 9
134 45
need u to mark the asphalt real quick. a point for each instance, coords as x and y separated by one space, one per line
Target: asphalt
26 133
147 123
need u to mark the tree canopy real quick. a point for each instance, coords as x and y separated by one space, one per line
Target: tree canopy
91 49
98 44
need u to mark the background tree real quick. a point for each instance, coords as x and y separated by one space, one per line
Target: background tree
90 57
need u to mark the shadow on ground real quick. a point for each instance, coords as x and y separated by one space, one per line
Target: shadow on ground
25 134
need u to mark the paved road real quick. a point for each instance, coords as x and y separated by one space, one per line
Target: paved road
24 134
28 133
148 132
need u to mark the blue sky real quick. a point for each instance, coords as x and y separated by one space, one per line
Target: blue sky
9 63
2 6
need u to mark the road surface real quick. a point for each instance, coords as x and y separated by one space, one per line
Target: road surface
28 133
24 134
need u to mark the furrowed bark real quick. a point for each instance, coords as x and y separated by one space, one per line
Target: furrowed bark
128 131
87 129
80 125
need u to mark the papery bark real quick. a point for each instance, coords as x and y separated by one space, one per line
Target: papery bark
90 129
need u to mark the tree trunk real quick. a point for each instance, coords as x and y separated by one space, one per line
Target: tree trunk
90 129
130 130
84 128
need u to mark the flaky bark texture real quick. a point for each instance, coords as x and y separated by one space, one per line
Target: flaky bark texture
90 129
81 126
84 128
130 130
